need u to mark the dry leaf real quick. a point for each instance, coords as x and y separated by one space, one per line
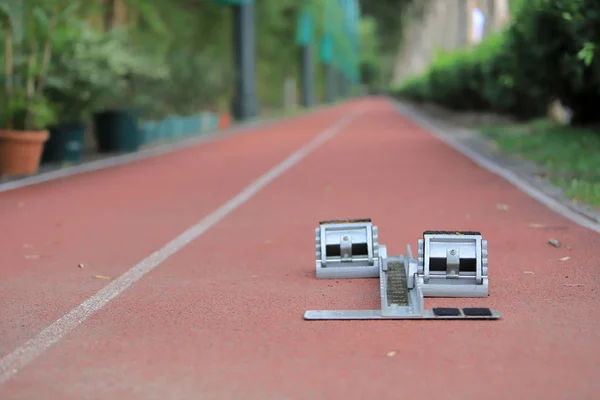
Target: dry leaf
529 272
502 207
32 257
102 277
537 226
564 258
81 265
554 242
391 354
573 284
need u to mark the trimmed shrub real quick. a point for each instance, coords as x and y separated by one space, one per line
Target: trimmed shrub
549 51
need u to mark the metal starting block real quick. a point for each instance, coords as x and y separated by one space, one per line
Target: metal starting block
347 249
453 264
449 264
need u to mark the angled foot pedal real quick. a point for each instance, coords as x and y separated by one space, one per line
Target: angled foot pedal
347 249
453 264
449 264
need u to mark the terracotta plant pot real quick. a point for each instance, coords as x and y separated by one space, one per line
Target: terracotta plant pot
21 151
224 121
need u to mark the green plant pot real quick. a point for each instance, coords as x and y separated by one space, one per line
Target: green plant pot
117 131
65 144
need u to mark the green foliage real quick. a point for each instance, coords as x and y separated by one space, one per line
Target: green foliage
91 70
11 15
548 51
23 112
28 28
174 57
569 155
389 15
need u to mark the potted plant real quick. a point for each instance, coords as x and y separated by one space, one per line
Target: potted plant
76 85
116 124
24 111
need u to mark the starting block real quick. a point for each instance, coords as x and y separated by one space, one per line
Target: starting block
453 264
448 264
347 249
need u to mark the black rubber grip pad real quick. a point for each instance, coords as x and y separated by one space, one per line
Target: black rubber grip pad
477 312
451 233
345 221
446 312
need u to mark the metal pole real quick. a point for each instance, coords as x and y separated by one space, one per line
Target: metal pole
306 66
330 82
343 85
244 102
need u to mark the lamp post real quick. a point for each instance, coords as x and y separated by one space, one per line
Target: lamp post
244 101
244 104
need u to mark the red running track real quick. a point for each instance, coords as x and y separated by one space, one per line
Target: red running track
222 318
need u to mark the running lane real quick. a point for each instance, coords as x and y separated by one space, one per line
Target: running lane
222 319
109 220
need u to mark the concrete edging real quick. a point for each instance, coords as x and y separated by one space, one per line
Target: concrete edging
156 150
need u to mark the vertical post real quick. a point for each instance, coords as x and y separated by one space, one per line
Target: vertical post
306 66
344 86
244 102
339 83
339 91
330 82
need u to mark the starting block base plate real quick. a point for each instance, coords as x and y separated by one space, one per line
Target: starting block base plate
315 315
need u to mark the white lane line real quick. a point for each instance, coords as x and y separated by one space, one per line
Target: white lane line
11 364
122 159
494 168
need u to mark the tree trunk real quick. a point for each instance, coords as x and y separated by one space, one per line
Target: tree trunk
110 7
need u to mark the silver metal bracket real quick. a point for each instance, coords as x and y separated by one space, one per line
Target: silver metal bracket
453 264
347 249
403 280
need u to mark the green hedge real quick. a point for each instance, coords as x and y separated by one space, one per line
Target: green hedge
549 51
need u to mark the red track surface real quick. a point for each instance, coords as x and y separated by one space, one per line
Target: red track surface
222 319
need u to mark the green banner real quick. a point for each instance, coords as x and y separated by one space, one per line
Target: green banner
326 50
305 28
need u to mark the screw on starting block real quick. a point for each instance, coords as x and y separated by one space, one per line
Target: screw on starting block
449 264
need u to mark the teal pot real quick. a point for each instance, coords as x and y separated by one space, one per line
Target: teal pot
118 131
65 143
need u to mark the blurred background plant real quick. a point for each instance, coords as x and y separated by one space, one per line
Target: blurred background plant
547 52
541 69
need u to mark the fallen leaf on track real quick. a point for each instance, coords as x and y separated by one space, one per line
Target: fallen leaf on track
529 272
502 207
564 258
537 226
554 242
391 354
81 265
32 257
102 277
